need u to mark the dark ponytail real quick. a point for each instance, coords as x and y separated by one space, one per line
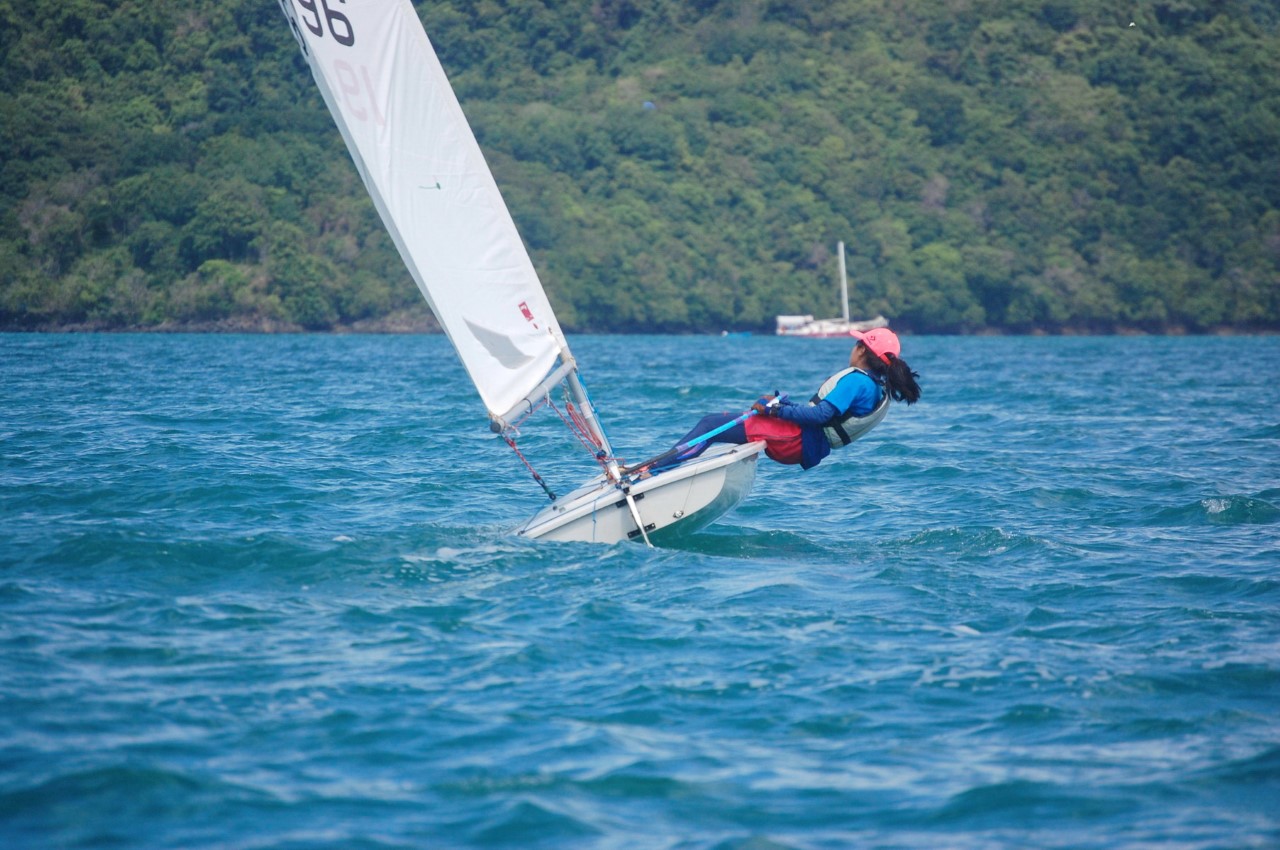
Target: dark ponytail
901 381
898 378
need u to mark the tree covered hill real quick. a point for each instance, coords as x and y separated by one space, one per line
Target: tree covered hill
674 165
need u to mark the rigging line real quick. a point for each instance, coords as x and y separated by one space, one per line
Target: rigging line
576 425
529 413
581 422
536 477
507 436
584 436
592 445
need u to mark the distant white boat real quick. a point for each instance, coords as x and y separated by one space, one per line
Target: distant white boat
808 326
430 183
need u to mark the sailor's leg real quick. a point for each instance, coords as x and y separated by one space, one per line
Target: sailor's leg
736 434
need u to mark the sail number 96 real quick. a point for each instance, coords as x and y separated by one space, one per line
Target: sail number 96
339 25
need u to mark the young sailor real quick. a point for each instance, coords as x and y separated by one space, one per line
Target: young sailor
847 405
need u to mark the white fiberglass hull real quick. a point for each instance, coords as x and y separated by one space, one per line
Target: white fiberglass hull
679 500
829 328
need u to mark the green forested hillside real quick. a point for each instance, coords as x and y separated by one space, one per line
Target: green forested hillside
1008 165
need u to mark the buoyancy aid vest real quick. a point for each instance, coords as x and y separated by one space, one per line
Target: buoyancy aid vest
843 430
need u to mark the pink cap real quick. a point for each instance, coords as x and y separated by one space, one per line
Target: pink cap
881 341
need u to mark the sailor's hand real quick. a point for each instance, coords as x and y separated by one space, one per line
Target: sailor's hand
766 406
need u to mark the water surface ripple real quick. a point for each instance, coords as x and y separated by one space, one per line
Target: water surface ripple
260 592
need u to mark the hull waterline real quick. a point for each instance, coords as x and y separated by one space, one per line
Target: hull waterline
673 503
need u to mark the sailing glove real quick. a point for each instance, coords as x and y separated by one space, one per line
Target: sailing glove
762 406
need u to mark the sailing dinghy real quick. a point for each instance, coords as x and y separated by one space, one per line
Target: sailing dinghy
429 181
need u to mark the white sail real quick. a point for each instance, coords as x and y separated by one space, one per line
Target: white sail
412 145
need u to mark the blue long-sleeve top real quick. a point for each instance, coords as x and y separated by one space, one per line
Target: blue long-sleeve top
855 393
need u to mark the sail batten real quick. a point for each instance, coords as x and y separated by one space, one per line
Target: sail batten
424 170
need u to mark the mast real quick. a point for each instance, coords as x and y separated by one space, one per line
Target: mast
844 282
588 410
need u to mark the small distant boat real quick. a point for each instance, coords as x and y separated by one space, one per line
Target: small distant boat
808 326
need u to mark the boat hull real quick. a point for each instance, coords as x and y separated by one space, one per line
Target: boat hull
827 328
673 503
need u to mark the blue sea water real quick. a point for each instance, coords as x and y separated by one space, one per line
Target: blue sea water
261 592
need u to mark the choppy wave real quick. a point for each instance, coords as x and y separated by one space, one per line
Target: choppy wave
262 593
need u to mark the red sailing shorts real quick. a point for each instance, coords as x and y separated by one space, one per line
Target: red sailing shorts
781 438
